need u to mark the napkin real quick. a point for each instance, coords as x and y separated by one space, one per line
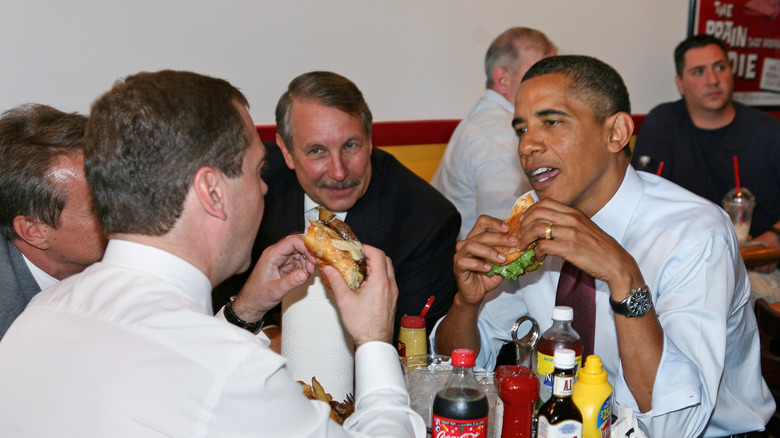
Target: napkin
314 341
627 426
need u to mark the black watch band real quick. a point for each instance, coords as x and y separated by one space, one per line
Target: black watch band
232 318
776 231
636 304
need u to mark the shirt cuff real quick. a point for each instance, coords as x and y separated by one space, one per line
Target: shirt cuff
677 384
378 368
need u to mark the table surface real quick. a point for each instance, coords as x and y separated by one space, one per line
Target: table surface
755 255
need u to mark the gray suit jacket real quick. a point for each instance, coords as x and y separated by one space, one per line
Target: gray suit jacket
17 285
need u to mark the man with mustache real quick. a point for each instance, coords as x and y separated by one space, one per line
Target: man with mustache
697 137
326 158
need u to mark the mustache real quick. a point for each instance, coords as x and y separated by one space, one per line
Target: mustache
338 185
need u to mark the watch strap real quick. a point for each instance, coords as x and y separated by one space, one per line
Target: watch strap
232 318
622 307
775 231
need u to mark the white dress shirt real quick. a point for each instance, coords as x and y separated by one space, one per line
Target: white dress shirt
129 348
43 279
709 379
480 171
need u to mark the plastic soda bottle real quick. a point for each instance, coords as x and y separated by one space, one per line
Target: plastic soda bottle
560 335
593 396
559 417
460 409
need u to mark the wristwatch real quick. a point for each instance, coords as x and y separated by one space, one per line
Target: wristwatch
232 318
776 232
636 304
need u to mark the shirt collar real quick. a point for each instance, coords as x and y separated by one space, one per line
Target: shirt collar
310 210
162 264
43 279
493 96
615 217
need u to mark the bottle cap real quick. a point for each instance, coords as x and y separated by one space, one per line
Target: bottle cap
463 357
593 372
562 313
564 358
413 321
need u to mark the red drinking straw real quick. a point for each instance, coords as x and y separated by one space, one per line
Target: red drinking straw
736 173
427 306
660 169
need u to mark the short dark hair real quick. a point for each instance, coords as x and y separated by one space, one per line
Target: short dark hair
695 42
503 50
593 82
326 88
33 138
147 137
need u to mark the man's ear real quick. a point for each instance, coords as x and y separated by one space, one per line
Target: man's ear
621 131
209 189
32 231
500 78
678 82
285 152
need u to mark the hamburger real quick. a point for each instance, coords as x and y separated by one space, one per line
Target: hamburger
333 243
518 261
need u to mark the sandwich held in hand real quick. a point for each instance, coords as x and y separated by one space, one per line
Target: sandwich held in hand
518 261
333 243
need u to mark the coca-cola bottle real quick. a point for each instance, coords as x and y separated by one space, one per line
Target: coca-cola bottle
460 409
559 417
560 335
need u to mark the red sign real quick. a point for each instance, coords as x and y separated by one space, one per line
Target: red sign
751 31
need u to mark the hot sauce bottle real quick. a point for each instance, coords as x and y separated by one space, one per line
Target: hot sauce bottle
460 409
559 417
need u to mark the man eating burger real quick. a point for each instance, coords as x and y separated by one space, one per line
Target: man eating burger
652 271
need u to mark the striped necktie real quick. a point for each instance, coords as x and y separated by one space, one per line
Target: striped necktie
577 289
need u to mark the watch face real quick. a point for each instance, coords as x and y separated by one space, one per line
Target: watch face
639 303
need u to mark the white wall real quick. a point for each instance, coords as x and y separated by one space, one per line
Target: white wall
412 59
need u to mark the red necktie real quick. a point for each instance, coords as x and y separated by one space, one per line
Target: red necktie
577 290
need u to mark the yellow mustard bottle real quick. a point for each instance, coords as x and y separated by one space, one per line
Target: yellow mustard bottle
412 339
593 396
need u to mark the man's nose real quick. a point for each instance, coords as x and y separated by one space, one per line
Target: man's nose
338 169
529 144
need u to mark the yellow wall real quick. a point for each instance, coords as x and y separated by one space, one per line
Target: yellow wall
423 159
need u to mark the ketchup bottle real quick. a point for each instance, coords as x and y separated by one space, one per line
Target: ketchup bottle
518 390
461 408
560 335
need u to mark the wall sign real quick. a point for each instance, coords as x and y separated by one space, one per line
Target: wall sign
751 31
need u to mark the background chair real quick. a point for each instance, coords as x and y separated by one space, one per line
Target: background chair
769 330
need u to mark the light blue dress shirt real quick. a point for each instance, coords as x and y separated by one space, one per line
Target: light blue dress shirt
709 379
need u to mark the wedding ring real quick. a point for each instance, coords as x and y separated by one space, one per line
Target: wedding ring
548 232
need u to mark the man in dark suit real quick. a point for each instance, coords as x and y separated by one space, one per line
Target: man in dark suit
48 228
324 139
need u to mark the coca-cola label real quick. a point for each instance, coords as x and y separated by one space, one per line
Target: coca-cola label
449 428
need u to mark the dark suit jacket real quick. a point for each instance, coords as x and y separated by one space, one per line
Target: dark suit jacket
17 285
400 213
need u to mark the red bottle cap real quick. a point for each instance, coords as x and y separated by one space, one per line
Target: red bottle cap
463 357
412 321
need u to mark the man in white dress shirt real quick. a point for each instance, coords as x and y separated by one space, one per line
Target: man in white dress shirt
480 172
129 347
48 228
672 320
